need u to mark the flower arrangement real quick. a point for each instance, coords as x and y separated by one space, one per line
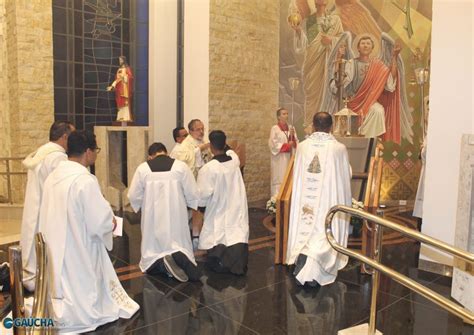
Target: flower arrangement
271 206
326 25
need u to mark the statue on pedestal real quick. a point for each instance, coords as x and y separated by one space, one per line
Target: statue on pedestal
123 86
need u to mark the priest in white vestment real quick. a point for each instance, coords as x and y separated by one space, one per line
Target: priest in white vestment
39 164
77 224
321 180
223 200
195 153
282 141
163 188
179 135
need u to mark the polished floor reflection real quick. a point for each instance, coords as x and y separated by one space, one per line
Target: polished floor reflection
267 300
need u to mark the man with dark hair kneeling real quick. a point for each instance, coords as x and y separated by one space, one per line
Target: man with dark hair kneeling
163 188
223 200
77 224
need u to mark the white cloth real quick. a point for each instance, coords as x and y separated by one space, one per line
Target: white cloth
175 150
222 192
190 154
321 179
279 160
76 222
124 114
163 198
420 193
39 164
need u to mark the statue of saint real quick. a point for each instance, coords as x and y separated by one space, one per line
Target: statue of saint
123 86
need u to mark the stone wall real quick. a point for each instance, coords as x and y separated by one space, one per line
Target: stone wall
243 81
27 75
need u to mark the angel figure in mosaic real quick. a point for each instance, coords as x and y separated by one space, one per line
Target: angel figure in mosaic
374 86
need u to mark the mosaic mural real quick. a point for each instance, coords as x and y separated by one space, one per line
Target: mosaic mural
315 34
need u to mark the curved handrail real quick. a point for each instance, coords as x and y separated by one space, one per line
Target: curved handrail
434 297
41 283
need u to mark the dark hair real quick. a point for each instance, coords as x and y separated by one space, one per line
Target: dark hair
217 139
278 112
59 128
322 121
79 141
366 37
192 123
176 132
156 148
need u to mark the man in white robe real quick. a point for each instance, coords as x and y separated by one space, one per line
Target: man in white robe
77 224
39 165
282 141
163 188
223 200
195 153
179 135
321 179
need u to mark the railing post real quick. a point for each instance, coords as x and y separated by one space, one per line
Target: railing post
16 286
378 236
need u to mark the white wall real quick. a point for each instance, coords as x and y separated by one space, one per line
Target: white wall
196 61
162 70
451 115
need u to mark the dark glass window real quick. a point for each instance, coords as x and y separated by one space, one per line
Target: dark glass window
88 38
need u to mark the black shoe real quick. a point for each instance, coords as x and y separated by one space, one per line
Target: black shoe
299 264
174 269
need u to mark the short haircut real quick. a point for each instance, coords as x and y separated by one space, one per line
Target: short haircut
59 128
79 141
217 139
322 121
278 112
176 132
366 37
192 123
156 148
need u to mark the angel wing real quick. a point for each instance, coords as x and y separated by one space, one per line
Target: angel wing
329 103
406 118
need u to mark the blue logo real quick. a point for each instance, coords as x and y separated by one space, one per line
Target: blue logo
8 323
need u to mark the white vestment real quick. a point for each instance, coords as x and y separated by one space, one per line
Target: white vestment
190 154
163 198
222 192
321 179
279 160
39 164
175 150
76 222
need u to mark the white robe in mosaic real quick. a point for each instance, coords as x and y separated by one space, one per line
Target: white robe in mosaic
222 192
39 165
321 180
76 222
163 198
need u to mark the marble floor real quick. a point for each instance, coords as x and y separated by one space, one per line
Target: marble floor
267 300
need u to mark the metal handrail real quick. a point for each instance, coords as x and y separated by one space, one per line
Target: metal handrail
40 308
16 286
381 223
